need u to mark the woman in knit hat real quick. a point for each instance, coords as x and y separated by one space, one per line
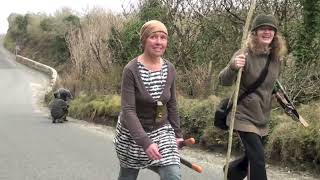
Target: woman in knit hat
148 128
265 49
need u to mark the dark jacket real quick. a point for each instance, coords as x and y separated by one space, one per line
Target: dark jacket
253 111
138 108
58 108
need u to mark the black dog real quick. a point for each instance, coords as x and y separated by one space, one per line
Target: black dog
59 106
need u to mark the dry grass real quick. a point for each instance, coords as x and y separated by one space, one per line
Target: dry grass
293 143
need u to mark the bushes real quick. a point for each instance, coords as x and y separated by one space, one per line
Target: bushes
196 115
9 43
103 110
124 44
291 142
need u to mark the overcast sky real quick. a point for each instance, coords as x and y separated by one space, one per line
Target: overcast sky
50 6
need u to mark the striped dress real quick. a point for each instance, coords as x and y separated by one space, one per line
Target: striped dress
129 153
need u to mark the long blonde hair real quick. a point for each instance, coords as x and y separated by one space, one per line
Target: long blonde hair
277 48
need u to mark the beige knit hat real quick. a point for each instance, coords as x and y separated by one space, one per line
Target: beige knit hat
150 27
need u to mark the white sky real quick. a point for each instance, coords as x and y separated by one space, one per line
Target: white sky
50 6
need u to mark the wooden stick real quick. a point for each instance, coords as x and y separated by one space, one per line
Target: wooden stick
236 91
287 99
303 122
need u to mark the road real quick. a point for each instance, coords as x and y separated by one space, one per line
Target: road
32 148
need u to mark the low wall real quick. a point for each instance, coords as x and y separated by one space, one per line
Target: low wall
42 68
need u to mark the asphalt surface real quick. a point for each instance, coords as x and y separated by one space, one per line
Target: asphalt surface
32 148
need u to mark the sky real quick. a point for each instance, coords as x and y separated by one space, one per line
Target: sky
51 6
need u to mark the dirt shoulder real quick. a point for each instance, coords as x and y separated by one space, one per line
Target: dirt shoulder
217 160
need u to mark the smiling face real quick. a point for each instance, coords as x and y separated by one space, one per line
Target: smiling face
155 45
265 35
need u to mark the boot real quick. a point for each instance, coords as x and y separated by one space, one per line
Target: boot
237 169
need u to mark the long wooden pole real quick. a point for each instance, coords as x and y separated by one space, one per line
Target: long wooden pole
236 91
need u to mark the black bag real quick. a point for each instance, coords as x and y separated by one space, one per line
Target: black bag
224 107
220 116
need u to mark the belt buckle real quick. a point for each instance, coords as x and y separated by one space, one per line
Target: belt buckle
159 112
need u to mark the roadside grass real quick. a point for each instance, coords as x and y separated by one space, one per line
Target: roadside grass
96 109
292 144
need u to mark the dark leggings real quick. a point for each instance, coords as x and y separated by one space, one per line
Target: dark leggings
252 163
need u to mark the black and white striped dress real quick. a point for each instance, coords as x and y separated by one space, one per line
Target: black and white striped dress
129 153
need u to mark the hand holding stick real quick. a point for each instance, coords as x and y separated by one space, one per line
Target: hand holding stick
186 142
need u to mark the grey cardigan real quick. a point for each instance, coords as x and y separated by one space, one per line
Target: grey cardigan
138 108
254 110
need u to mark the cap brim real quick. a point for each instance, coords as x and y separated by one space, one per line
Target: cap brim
266 24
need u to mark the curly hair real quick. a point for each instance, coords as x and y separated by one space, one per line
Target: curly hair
277 48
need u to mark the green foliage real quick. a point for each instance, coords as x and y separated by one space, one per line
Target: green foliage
93 108
22 22
152 9
47 24
60 49
9 43
196 118
124 45
18 29
45 36
196 115
307 47
72 21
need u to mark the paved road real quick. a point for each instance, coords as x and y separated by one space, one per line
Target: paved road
31 148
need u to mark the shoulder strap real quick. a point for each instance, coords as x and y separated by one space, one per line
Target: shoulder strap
258 82
255 84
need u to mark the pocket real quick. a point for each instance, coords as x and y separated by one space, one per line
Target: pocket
250 107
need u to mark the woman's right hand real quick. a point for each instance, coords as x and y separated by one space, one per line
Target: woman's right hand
153 152
238 62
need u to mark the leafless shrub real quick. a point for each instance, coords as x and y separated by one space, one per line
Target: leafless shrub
302 83
89 55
